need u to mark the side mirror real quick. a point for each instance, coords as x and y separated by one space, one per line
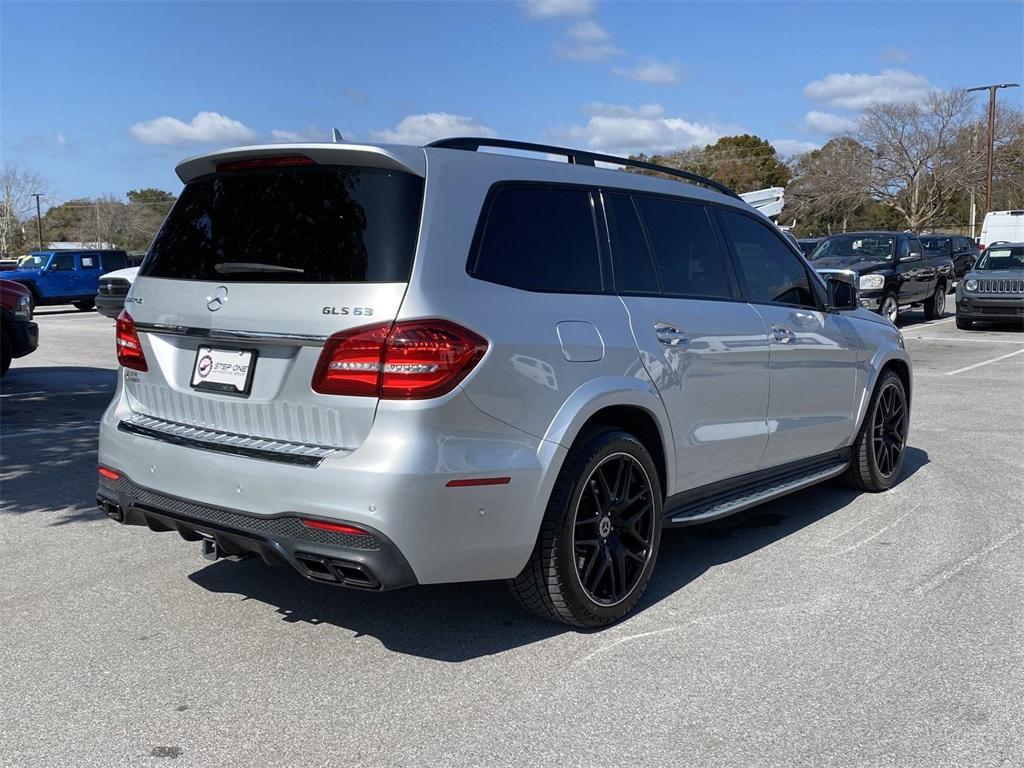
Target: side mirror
841 292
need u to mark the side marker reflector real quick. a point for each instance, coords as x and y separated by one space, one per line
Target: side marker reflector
478 481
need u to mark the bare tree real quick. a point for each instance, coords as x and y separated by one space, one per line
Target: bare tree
916 168
1008 160
829 185
16 203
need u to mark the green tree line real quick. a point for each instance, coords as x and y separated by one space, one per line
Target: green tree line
129 223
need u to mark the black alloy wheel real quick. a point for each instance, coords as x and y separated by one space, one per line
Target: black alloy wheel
889 429
614 529
599 538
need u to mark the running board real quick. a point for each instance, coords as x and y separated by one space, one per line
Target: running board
722 505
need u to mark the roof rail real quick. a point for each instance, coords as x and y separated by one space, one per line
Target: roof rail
577 157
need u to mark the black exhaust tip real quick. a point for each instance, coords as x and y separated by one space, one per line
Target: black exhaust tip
110 509
346 573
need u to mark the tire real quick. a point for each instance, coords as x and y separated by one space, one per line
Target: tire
583 502
6 354
85 305
890 307
964 325
936 305
867 472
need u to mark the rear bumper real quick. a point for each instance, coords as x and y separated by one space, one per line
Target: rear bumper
24 336
394 484
363 562
109 306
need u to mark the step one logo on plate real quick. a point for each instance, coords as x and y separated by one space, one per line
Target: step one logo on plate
223 370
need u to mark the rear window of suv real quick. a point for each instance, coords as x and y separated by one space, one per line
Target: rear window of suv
321 224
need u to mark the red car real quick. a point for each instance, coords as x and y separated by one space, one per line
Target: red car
18 334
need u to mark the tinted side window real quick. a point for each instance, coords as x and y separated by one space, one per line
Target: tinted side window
112 261
62 262
631 260
685 250
773 273
540 238
915 246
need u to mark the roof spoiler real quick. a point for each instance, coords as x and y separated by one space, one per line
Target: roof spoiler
395 158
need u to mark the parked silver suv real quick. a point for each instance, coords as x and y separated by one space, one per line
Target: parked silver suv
393 365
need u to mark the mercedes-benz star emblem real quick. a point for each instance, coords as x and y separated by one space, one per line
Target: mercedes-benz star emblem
217 299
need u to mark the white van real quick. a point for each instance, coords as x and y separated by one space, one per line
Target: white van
1002 226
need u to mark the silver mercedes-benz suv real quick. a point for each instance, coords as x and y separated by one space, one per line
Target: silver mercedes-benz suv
393 365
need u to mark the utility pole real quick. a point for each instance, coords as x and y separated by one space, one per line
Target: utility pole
39 219
991 132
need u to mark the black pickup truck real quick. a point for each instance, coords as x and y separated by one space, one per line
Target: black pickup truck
893 270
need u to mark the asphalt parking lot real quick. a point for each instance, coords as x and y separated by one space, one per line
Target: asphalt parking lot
823 629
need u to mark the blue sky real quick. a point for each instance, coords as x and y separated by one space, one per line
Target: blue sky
104 97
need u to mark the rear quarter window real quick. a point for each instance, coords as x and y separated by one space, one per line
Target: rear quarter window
316 224
538 238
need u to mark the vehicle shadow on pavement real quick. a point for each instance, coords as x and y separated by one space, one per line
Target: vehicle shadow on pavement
702 547
48 430
459 622
59 310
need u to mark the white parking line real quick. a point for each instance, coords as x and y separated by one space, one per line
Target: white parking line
972 340
985 362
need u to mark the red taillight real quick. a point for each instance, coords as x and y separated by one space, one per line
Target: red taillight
428 358
405 361
254 163
109 474
350 362
323 525
129 348
980 247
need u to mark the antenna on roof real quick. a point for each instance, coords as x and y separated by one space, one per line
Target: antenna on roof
336 136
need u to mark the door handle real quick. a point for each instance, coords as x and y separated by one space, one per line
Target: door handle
669 335
782 334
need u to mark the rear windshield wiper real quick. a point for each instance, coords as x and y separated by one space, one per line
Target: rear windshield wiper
237 267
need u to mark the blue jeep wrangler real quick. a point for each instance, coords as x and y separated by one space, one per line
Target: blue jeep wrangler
66 277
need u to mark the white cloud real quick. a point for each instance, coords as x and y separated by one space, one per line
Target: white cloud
204 127
547 9
892 86
588 42
826 122
654 72
425 128
311 134
790 147
893 55
624 130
